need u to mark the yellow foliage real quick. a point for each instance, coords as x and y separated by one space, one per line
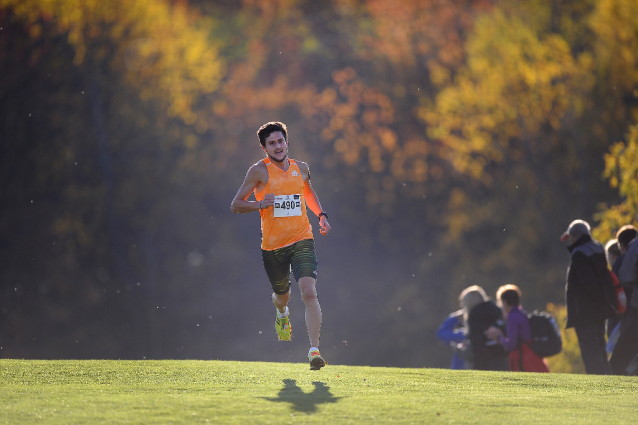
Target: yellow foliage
167 50
621 169
515 81
616 25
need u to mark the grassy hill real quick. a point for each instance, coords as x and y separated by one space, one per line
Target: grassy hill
222 392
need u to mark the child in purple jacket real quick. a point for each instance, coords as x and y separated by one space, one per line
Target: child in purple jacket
519 333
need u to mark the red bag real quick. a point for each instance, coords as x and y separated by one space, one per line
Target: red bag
528 362
620 294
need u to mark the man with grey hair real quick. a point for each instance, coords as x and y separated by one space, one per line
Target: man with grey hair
587 306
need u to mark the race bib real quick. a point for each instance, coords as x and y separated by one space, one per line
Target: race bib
287 205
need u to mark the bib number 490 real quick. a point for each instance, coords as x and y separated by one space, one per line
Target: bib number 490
287 205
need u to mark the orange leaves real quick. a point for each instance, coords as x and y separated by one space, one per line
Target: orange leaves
358 119
409 32
341 77
388 139
357 112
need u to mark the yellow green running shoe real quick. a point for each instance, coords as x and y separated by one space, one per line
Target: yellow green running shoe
283 328
315 359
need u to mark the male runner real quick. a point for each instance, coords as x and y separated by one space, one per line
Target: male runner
282 190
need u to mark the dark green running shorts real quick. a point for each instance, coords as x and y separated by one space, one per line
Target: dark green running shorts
300 257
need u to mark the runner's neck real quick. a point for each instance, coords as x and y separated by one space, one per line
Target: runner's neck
283 165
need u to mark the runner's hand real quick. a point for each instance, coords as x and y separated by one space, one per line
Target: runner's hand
268 201
324 226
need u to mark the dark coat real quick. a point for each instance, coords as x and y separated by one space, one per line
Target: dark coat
628 272
488 355
584 294
616 269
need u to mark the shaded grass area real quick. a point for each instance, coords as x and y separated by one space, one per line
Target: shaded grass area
147 392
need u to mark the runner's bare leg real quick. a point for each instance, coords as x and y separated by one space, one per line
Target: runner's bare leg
281 301
307 285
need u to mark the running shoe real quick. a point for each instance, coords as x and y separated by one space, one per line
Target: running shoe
283 328
315 360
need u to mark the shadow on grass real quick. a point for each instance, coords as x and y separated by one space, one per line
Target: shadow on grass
304 402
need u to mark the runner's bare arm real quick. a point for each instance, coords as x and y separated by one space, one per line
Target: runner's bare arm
312 200
256 175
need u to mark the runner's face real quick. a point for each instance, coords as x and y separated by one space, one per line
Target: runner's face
276 146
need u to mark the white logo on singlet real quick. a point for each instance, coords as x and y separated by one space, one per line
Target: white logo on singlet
295 173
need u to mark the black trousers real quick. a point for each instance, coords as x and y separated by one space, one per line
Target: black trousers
591 340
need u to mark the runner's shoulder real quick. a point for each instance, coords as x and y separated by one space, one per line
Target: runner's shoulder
259 166
303 167
258 170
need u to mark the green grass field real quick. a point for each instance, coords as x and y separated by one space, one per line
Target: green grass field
221 392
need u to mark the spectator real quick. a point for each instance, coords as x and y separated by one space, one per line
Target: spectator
612 251
453 333
480 314
626 348
587 308
519 333
625 236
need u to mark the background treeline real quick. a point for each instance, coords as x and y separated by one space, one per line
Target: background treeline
452 142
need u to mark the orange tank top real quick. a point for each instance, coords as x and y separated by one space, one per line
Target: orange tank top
287 221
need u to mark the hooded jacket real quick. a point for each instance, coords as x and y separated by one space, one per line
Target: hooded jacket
584 294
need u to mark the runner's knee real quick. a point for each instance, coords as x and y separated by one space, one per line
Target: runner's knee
308 289
281 299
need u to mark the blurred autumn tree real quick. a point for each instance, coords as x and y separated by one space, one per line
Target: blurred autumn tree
616 24
622 172
511 121
111 91
451 142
